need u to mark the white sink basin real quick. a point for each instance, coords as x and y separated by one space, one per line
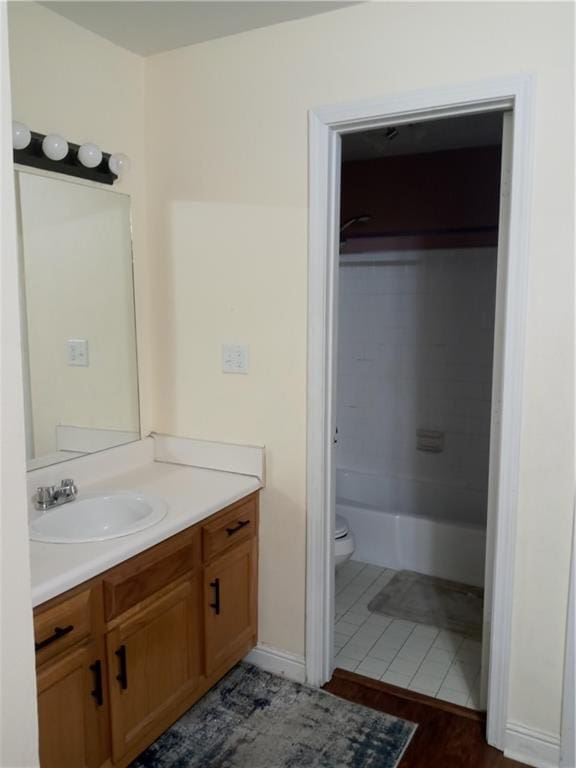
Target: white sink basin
97 518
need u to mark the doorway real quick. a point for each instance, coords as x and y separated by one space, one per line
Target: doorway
417 287
327 127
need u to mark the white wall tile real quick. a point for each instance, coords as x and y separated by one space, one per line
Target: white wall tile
415 351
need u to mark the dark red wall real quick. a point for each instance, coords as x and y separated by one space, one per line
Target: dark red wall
434 200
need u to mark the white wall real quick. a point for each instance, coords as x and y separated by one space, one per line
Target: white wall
228 235
415 352
77 259
18 728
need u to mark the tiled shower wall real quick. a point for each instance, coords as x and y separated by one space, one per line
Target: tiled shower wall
415 352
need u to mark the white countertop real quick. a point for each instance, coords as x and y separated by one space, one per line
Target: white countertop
192 494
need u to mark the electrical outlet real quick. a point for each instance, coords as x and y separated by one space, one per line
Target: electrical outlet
77 352
234 358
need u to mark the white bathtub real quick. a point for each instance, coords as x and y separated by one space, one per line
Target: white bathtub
432 544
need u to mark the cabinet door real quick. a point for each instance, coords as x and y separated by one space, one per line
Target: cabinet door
153 662
230 610
71 716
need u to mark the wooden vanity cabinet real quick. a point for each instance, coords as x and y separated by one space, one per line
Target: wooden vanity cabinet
148 638
153 663
230 551
73 733
73 717
229 620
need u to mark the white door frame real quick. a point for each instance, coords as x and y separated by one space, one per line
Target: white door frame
326 125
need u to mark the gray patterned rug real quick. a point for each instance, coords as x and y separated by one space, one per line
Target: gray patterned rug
429 600
252 719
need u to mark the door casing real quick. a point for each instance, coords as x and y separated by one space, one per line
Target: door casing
326 126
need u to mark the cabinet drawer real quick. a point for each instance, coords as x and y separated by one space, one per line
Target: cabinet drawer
143 575
232 527
62 625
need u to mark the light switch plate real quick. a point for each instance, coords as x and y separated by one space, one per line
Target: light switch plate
234 358
77 352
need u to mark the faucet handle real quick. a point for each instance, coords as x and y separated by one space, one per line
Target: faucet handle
67 489
44 496
44 493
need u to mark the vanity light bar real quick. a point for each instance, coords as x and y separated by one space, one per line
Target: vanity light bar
53 153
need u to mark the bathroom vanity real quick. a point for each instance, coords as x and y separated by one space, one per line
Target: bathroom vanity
144 550
122 655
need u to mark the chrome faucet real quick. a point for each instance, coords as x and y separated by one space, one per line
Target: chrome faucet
48 496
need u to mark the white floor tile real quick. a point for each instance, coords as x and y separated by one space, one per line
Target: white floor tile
372 632
353 651
376 620
395 678
388 643
426 683
345 628
412 654
457 683
425 630
441 655
473 701
395 635
345 662
419 643
449 641
372 668
473 645
456 697
404 666
354 618
421 657
467 671
435 668
383 652
405 626
469 655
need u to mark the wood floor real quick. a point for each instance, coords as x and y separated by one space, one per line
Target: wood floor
448 736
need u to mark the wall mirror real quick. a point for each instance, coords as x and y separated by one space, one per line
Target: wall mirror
78 320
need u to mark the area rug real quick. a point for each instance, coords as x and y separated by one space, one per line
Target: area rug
428 600
252 719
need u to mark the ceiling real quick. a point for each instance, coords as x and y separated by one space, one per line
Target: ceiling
147 27
480 130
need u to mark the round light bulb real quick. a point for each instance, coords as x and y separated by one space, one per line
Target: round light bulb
90 155
54 146
119 163
21 135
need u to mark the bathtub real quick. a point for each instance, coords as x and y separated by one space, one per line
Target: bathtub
439 531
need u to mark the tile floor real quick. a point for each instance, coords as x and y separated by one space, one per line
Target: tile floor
420 657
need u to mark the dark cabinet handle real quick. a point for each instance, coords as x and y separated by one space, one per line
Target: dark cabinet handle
216 604
122 675
56 635
241 524
97 693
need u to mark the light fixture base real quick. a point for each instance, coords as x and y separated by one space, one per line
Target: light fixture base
33 156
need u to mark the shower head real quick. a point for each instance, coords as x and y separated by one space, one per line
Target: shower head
355 220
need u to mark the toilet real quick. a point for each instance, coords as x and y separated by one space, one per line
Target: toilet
343 541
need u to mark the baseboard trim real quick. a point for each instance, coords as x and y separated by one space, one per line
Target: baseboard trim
531 746
279 662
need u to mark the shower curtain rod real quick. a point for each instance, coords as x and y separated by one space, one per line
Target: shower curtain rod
375 263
